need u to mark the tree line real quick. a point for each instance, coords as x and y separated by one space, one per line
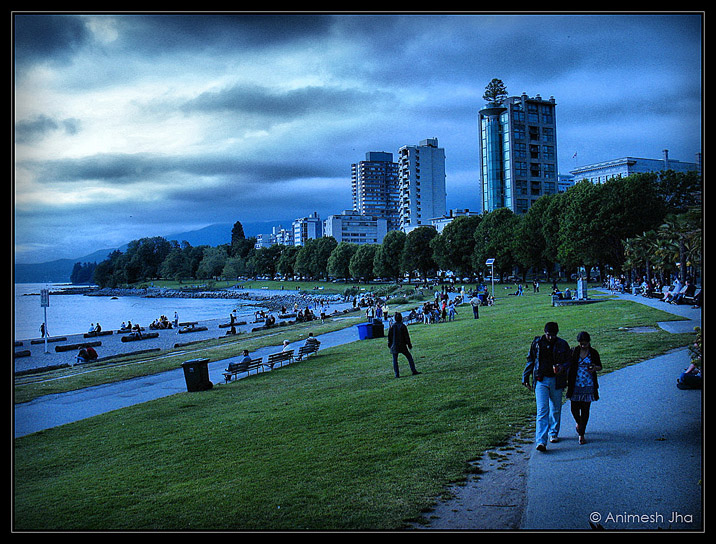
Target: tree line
643 224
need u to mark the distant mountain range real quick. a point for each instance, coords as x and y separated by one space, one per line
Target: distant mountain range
59 271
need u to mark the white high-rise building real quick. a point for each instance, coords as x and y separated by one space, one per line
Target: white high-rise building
353 227
306 228
421 180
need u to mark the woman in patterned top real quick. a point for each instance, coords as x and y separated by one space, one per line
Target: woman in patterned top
582 386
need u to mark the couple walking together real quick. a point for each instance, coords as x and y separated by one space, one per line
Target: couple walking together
554 366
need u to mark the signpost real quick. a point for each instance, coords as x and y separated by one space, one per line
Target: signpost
491 264
44 303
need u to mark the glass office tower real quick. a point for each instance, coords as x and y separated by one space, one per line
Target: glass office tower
518 153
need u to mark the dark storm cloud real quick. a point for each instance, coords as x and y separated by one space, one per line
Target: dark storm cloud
219 117
36 128
171 32
43 38
144 167
286 105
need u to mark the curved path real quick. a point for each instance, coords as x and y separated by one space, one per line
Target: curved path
641 468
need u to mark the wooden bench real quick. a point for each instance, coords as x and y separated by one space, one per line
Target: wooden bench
281 357
238 368
305 351
691 299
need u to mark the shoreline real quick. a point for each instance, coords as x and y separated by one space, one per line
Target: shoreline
113 343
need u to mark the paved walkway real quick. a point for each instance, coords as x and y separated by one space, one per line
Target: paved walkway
641 467
58 409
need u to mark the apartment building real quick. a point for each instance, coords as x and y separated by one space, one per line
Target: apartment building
421 184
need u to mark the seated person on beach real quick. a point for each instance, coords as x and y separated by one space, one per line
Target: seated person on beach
86 353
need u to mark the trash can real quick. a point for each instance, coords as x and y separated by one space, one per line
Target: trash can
365 331
378 328
196 374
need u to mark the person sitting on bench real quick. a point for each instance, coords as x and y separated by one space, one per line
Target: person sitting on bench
311 343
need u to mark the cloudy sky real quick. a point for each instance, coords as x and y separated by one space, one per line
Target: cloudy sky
133 125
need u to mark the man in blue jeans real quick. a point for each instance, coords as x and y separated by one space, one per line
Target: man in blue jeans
548 362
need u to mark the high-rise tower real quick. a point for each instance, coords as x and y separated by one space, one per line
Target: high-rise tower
421 173
518 152
374 184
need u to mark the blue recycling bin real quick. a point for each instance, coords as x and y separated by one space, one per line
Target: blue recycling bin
365 331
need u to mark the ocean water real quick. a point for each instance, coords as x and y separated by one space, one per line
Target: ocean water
75 314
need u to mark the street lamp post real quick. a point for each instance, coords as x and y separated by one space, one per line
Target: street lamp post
491 264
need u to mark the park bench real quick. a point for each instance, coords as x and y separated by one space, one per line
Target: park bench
237 368
281 357
305 351
691 299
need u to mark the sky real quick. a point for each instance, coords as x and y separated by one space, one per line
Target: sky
130 125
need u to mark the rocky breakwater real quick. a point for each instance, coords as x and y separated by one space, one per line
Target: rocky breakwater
272 300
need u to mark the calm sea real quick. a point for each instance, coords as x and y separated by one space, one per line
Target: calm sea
75 314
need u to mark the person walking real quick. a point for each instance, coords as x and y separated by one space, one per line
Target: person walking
548 362
582 386
399 342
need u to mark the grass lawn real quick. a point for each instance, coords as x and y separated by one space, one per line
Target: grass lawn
331 443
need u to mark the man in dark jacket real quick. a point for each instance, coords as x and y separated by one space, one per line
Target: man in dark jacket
548 362
399 342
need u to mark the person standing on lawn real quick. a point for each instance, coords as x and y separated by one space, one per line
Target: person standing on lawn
399 342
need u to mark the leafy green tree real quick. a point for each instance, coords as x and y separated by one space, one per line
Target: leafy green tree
531 249
82 273
213 262
145 256
495 93
235 267
681 239
453 248
324 248
361 263
387 262
680 191
418 253
111 272
265 259
287 262
340 260
579 228
176 266
305 258
237 232
495 238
